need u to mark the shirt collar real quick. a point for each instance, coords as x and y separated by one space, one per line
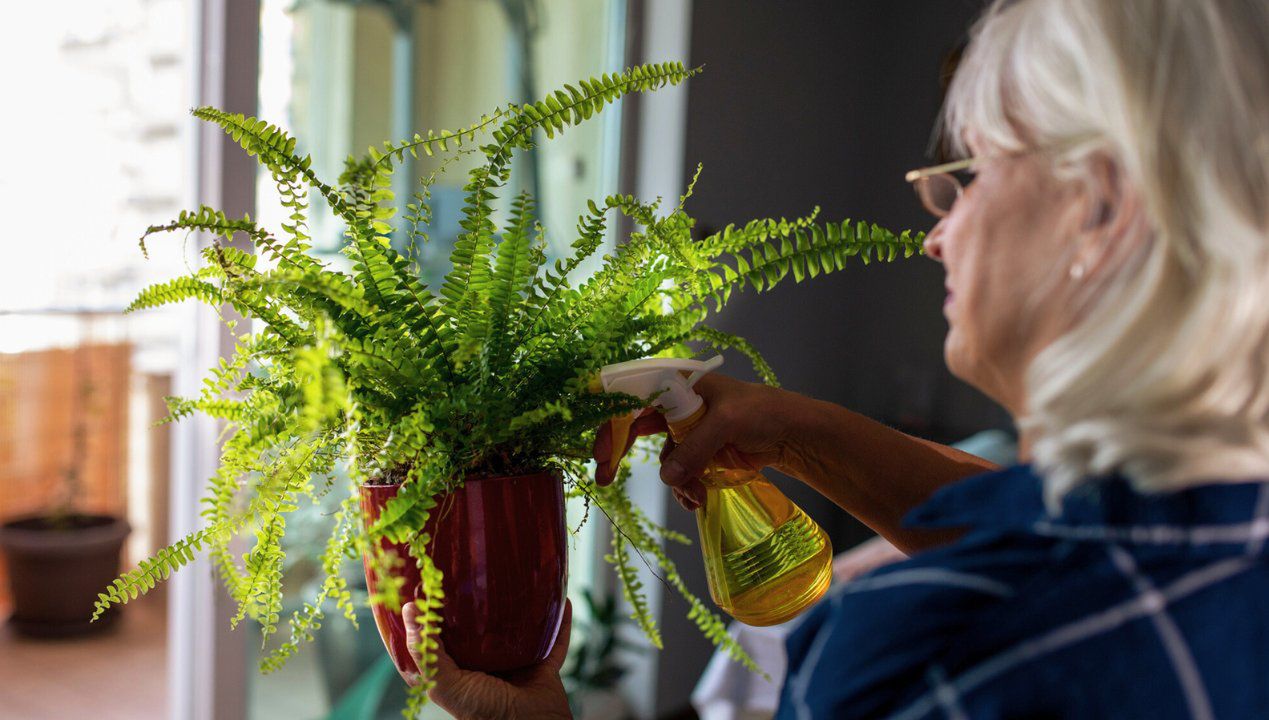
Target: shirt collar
1104 509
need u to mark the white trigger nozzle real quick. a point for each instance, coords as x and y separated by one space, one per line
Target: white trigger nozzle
706 367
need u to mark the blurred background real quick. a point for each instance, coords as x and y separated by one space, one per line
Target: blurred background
814 103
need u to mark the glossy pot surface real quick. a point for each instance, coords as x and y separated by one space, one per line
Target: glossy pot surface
500 543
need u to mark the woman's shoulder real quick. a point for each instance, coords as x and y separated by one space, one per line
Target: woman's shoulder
1076 631
1038 613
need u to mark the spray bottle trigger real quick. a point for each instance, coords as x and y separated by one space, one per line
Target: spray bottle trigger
620 427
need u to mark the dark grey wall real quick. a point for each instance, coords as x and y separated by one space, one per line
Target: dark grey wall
827 103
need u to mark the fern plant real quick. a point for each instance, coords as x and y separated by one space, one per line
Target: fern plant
485 375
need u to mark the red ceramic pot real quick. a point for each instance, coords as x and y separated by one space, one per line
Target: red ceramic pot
500 542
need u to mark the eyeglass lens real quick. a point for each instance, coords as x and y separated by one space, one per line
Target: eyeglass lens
938 193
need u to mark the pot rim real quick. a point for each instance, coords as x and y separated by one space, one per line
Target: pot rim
476 478
50 541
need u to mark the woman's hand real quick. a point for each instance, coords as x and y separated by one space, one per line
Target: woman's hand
533 693
745 427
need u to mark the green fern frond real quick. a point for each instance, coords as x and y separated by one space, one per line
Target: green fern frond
558 111
275 149
724 341
808 252
174 291
434 141
206 219
487 374
429 603
306 621
511 273
632 589
572 106
631 526
151 571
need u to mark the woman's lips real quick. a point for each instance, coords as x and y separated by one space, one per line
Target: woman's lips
947 300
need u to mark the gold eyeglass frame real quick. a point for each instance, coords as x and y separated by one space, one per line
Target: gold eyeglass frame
913 176
947 169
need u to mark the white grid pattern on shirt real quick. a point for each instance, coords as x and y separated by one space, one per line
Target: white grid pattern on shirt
800 681
1260 525
1078 631
928 576
1173 641
946 694
1231 534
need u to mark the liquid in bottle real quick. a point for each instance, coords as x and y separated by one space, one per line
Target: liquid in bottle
765 558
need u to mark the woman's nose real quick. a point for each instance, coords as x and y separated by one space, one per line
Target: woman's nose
933 243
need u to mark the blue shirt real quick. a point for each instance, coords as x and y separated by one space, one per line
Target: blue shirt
1124 605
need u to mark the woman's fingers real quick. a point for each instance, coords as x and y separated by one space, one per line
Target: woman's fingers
649 422
695 490
446 670
409 613
667 448
444 667
691 495
689 458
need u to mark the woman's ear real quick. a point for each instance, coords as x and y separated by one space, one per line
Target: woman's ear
1113 217
1101 215
1105 191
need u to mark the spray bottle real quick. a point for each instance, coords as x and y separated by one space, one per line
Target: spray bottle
766 560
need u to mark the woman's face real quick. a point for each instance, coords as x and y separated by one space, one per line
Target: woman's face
1005 250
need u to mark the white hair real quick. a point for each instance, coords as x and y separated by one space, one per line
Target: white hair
1164 377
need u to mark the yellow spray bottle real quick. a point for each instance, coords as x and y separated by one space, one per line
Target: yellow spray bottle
765 558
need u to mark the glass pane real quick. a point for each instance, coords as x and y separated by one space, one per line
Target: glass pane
96 148
328 73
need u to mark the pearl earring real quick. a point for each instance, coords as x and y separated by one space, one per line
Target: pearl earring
1077 271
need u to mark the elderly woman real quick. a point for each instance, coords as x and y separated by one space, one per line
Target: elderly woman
1108 283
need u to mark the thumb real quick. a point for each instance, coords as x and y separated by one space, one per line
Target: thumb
443 667
556 659
409 614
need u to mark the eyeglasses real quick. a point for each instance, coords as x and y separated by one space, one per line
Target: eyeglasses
938 188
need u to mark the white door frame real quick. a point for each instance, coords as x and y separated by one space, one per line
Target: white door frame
207 677
660 127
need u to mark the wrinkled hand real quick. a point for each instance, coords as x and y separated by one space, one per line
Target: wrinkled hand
744 429
533 693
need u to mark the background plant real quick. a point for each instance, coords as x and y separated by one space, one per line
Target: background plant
594 664
485 375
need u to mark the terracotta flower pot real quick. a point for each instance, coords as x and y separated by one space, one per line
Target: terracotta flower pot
56 571
500 542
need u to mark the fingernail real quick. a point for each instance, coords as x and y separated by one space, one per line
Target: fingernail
671 472
698 495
